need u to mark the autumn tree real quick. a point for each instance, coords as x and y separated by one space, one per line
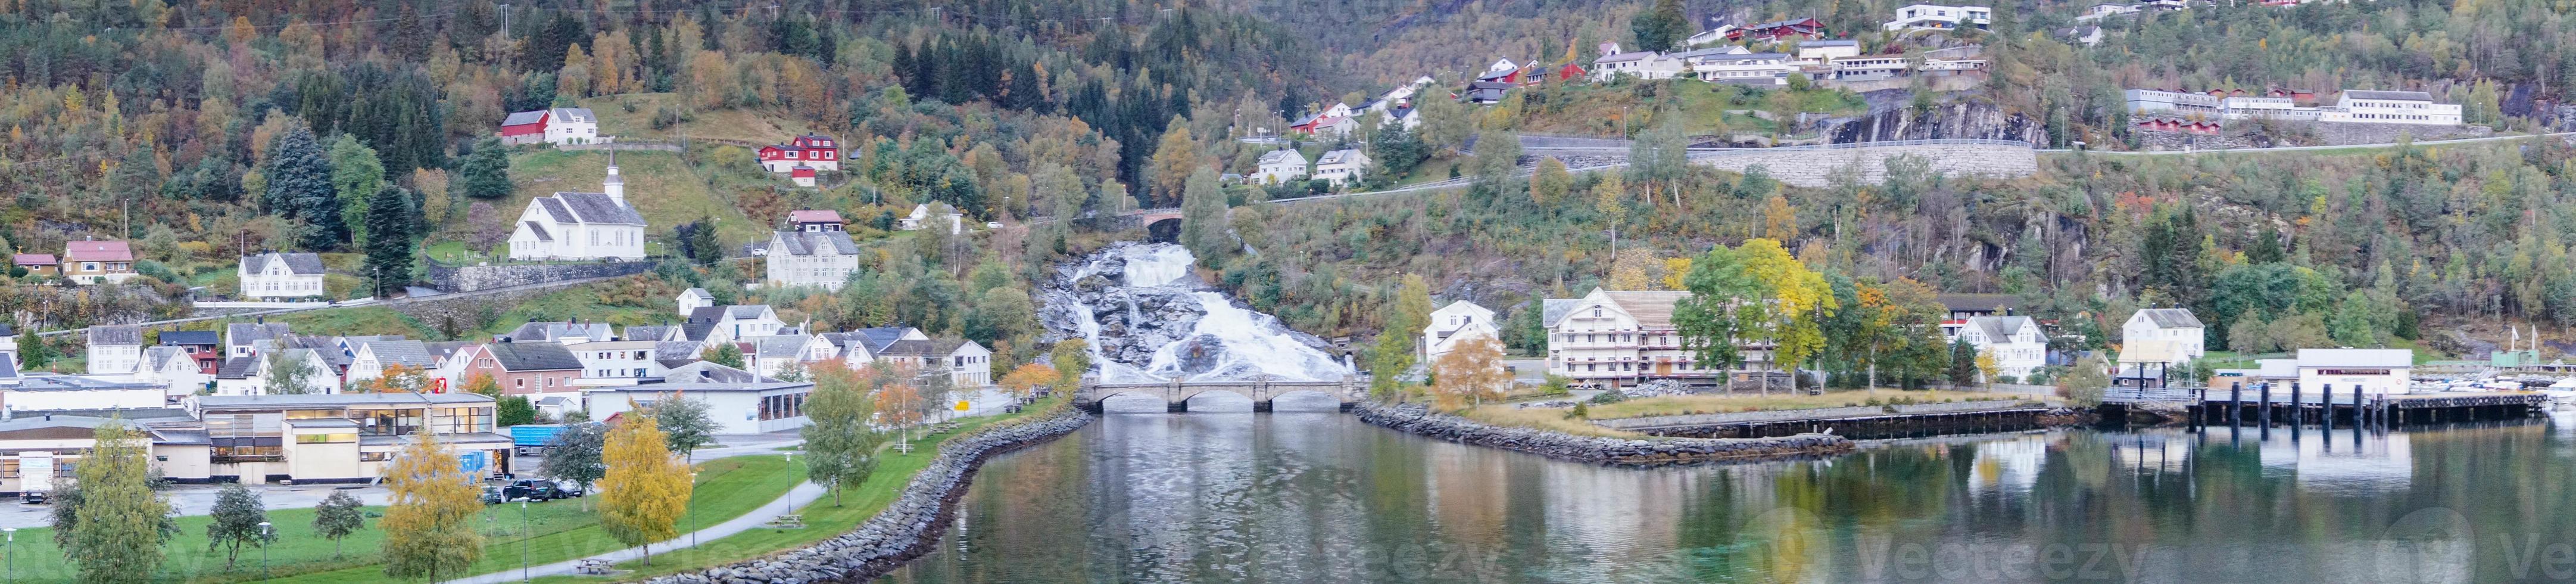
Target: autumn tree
1609 197
647 486
482 384
1394 353
116 524
1176 157
1472 373
1203 220
1072 358
1025 380
2084 385
428 525
237 519
841 442
339 516
1753 292
289 373
1550 182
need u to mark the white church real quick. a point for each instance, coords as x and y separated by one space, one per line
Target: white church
581 226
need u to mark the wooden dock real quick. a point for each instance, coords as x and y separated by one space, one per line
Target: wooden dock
2264 405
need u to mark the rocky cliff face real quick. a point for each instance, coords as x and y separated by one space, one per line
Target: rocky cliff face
1891 117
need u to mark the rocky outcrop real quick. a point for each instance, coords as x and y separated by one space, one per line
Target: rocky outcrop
1817 167
1892 117
906 529
1418 419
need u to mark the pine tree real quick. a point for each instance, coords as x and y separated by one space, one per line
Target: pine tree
427 525
339 516
356 176
647 486
118 523
389 253
300 187
485 174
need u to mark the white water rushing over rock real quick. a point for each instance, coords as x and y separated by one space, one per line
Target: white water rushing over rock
1149 320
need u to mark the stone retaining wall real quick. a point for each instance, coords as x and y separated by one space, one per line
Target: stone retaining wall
1418 419
1808 414
906 529
1815 168
472 278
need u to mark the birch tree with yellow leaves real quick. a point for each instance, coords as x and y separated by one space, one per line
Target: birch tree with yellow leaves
647 488
428 526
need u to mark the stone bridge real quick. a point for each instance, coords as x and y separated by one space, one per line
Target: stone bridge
1176 394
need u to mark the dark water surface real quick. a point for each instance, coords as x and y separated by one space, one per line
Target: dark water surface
1321 497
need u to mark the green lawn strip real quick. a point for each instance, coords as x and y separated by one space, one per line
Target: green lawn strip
562 530
823 519
357 320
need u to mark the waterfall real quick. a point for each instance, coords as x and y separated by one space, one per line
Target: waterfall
1148 319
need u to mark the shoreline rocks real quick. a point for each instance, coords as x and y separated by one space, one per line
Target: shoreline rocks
1418 419
905 529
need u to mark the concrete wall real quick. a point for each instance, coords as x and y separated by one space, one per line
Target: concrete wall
1805 414
472 278
1815 168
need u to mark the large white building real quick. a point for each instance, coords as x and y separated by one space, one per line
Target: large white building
115 349
1638 64
2015 342
1745 69
2167 324
1453 325
1940 17
811 258
1618 339
2392 107
276 275
581 226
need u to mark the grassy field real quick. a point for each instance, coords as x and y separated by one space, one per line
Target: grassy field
578 303
727 124
357 320
1543 419
823 520
555 531
662 186
1712 404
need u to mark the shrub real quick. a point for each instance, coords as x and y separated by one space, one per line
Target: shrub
1609 397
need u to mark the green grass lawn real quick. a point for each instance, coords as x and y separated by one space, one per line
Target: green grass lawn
582 303
823 520
666 189
357 320
558 530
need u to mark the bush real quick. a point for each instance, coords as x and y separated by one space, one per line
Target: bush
154 270
1581 411
1609 397
1556 385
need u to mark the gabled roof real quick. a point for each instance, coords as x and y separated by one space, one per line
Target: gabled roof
539 230
1651 308
2387 95
879 338
155 357
523 118
34 259
696 330
1554 309
803 243
1281 156
550 331
533 357
116 334
442 350
574 114
555 208
596 209
207 338
243 333
1976 302
746 311
297 263
699 293
2170 318
238 368
676 353
98 251
399 352
922 348
1625 57
814 216
2001 328
710 372
1342 156
776 345
647 332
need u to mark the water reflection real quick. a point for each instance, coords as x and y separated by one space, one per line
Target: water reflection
1319 497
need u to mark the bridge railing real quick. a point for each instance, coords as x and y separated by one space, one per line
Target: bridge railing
2130 395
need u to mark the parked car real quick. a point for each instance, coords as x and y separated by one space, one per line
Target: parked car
492 495
531 489
570 489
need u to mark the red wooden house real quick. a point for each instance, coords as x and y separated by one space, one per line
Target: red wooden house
819 152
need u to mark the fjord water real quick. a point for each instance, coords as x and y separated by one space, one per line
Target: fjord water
1322 497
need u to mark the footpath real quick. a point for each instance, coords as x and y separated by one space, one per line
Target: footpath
795 499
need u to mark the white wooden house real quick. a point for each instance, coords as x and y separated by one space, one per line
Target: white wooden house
580 226
1279 166
2167 324
276 275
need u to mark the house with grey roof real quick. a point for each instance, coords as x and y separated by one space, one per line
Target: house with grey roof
518 368
281 276
581 226
691 300
373 358
1341 166
175 369
562 332
651 332
714 325
1279 166
563 125
115 349
967 364
775 354
821 259
2014 342
2167 324
242 338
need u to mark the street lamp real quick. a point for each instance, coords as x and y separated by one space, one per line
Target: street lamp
523 541
11 554
693 510
264 536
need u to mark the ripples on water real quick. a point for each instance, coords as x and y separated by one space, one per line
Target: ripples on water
1321 497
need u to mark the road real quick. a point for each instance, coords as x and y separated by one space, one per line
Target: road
2302 148
360 302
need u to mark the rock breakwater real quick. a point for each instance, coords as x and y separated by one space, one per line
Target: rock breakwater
1419 419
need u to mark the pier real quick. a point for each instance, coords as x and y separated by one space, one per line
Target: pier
2267 404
